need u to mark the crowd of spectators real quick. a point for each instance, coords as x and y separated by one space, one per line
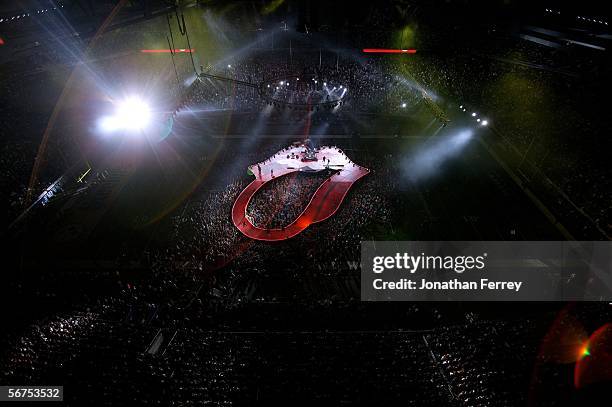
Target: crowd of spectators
372 85
478 362
211 268
473 360
277 204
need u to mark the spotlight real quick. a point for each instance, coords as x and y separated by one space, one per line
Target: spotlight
324 83
282 83
130 114
133 114
461 107
484 123
229 66
404 104
108 124
478 120
473 114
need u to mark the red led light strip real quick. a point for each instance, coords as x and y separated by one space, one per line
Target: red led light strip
388 51
160 51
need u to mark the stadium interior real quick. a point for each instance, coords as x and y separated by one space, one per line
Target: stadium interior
155 254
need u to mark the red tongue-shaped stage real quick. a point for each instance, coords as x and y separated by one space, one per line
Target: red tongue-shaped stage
324 202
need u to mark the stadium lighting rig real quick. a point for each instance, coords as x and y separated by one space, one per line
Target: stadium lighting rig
389 51
168 51
482 122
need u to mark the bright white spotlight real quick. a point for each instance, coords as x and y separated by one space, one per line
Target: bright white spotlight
229 66
484 123
478 120
133 114
473 114
461 107
108 124
282 82
404 104
130 114
324 83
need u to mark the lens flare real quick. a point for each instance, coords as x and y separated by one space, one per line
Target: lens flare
131 114
595 362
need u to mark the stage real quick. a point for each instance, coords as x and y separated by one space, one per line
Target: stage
325 201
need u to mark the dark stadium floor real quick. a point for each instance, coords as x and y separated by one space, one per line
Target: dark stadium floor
466 196
141 213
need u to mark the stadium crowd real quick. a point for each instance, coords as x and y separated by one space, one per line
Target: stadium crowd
280 202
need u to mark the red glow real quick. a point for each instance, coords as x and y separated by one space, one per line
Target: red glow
565 341
1 41
389 51
167 51
597 367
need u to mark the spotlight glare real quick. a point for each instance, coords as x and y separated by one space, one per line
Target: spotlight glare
133 113
404 104
484 123
108 124
473 114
